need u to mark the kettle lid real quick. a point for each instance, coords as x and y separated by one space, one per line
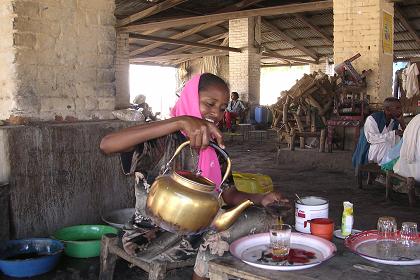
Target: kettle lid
195 179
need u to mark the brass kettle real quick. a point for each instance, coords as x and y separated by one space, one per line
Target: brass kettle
186 203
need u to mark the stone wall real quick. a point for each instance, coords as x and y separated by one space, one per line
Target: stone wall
64 58
358 29
58 176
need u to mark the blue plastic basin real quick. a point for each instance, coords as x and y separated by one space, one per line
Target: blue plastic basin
29 257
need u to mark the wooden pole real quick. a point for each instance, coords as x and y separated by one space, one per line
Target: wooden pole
183 43
149 11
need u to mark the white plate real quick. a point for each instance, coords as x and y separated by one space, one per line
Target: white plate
337 233
249 250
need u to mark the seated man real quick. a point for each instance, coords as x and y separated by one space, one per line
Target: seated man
408 164
382 130
234 110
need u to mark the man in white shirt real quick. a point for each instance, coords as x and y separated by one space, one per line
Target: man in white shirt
384 129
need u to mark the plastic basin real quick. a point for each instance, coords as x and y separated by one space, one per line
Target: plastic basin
83 241
29 257
118 218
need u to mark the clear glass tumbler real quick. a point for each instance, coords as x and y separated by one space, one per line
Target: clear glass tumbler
387 229
280 240
408 234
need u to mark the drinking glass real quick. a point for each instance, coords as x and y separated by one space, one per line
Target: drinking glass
387 229
280 240
408 234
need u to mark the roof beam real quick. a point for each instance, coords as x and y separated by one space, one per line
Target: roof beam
176 56
149 11
269 53
181 35
313 27
275 10
184 43
398 13
204 41
198 28
289 40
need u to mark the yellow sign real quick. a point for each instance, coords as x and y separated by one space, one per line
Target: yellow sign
387 33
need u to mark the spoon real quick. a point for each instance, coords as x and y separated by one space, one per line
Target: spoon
300 200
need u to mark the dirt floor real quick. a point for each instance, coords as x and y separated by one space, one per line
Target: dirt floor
303 175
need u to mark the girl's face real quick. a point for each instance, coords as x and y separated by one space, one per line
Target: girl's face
213 102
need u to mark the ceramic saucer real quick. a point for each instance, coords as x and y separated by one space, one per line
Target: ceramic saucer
337 233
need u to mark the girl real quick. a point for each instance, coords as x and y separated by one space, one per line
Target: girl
146 148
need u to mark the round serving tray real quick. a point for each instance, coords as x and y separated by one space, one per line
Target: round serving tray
250 250
365 245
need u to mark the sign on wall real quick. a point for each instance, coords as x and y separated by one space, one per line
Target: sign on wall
387 33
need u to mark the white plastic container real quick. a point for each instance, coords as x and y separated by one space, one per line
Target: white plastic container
312 207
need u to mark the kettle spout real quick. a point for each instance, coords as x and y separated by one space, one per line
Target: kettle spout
225 220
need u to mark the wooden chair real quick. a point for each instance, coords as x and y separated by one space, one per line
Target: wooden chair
409 181
370 169
111 250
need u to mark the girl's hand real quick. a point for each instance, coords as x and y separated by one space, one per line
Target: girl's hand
273 197
200 132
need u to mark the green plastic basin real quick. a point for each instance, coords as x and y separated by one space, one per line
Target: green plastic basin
83 241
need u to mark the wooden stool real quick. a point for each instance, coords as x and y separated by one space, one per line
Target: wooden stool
370 168
245 128
111 250
259 133
409 181
232 135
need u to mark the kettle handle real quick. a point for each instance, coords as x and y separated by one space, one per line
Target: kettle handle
213 145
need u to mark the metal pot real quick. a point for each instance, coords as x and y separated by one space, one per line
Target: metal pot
186 203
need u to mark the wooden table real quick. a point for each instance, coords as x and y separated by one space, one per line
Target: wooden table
344 265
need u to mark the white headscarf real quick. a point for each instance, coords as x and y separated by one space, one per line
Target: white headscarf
411 134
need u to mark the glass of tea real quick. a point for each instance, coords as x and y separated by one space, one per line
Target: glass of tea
280 241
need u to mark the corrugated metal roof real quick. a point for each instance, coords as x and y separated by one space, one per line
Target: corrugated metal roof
289 24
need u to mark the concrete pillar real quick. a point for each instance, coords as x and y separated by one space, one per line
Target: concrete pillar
122 69
8 81
244 67
58 58
359 28
321 66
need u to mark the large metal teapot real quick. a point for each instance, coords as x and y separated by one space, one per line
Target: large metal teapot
184 202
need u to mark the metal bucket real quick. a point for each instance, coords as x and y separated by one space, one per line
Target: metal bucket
312 207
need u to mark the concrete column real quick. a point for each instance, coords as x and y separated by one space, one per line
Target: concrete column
321 66
244 67
122 68
58 59
358 28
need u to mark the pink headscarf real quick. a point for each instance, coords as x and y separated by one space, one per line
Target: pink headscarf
188 104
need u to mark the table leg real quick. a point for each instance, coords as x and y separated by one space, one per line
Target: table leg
107 259
330 138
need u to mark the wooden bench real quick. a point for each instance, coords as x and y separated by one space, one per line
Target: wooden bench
409 181
111 250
